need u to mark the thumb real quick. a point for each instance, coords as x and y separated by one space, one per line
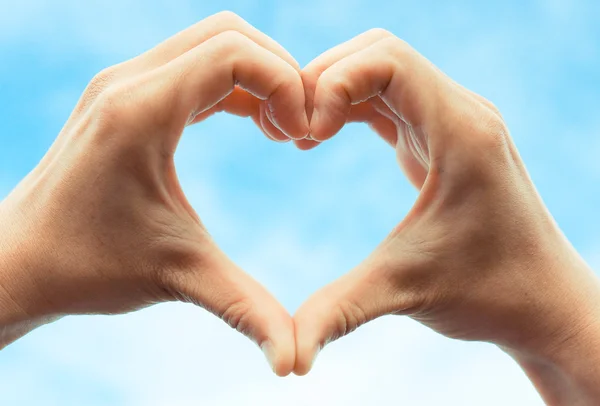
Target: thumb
222 288
340 308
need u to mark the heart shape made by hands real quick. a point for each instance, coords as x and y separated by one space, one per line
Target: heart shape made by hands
448 141
452 261
477 226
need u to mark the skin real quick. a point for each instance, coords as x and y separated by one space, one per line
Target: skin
478 257
113 230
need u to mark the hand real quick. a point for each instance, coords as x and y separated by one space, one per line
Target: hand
478 257
102 225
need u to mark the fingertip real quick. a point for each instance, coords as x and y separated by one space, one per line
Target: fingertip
324 126
279 344
286 110
281 365
270 128
280 352
306 144
299 135
298 131
305 362
309 335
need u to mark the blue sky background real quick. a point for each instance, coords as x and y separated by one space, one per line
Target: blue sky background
297 220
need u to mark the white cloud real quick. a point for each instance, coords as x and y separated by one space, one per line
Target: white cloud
177 354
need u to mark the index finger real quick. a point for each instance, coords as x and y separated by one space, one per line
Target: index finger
176 93
407 82
312 72
202 31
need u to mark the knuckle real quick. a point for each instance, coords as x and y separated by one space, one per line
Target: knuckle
494 108
228 18
378 33
103 78
131 107
395 51
490 130
475 125
110 103
231 41
330 79
229 47
395 46
114 107
99 83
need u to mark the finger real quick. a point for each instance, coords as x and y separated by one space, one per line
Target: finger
242 104
305 144
206 29
165 52
312 72
408 84
340 308
194 36
268 127
210 27
365 113
231 294
201 78
178 45
239 103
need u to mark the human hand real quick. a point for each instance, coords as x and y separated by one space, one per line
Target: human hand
467 261
101 225
478 257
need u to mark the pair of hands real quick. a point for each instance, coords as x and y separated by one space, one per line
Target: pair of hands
101 225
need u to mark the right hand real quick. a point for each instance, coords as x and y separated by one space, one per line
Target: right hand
101 225
479 256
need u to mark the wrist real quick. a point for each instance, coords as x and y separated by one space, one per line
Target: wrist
20 306
570 375
565 365
13 315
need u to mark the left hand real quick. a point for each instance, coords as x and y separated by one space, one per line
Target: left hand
102 225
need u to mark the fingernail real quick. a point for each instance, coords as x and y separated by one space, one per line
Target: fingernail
269 113
269 351
314 120
306 125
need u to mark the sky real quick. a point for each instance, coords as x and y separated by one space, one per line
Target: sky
297 220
